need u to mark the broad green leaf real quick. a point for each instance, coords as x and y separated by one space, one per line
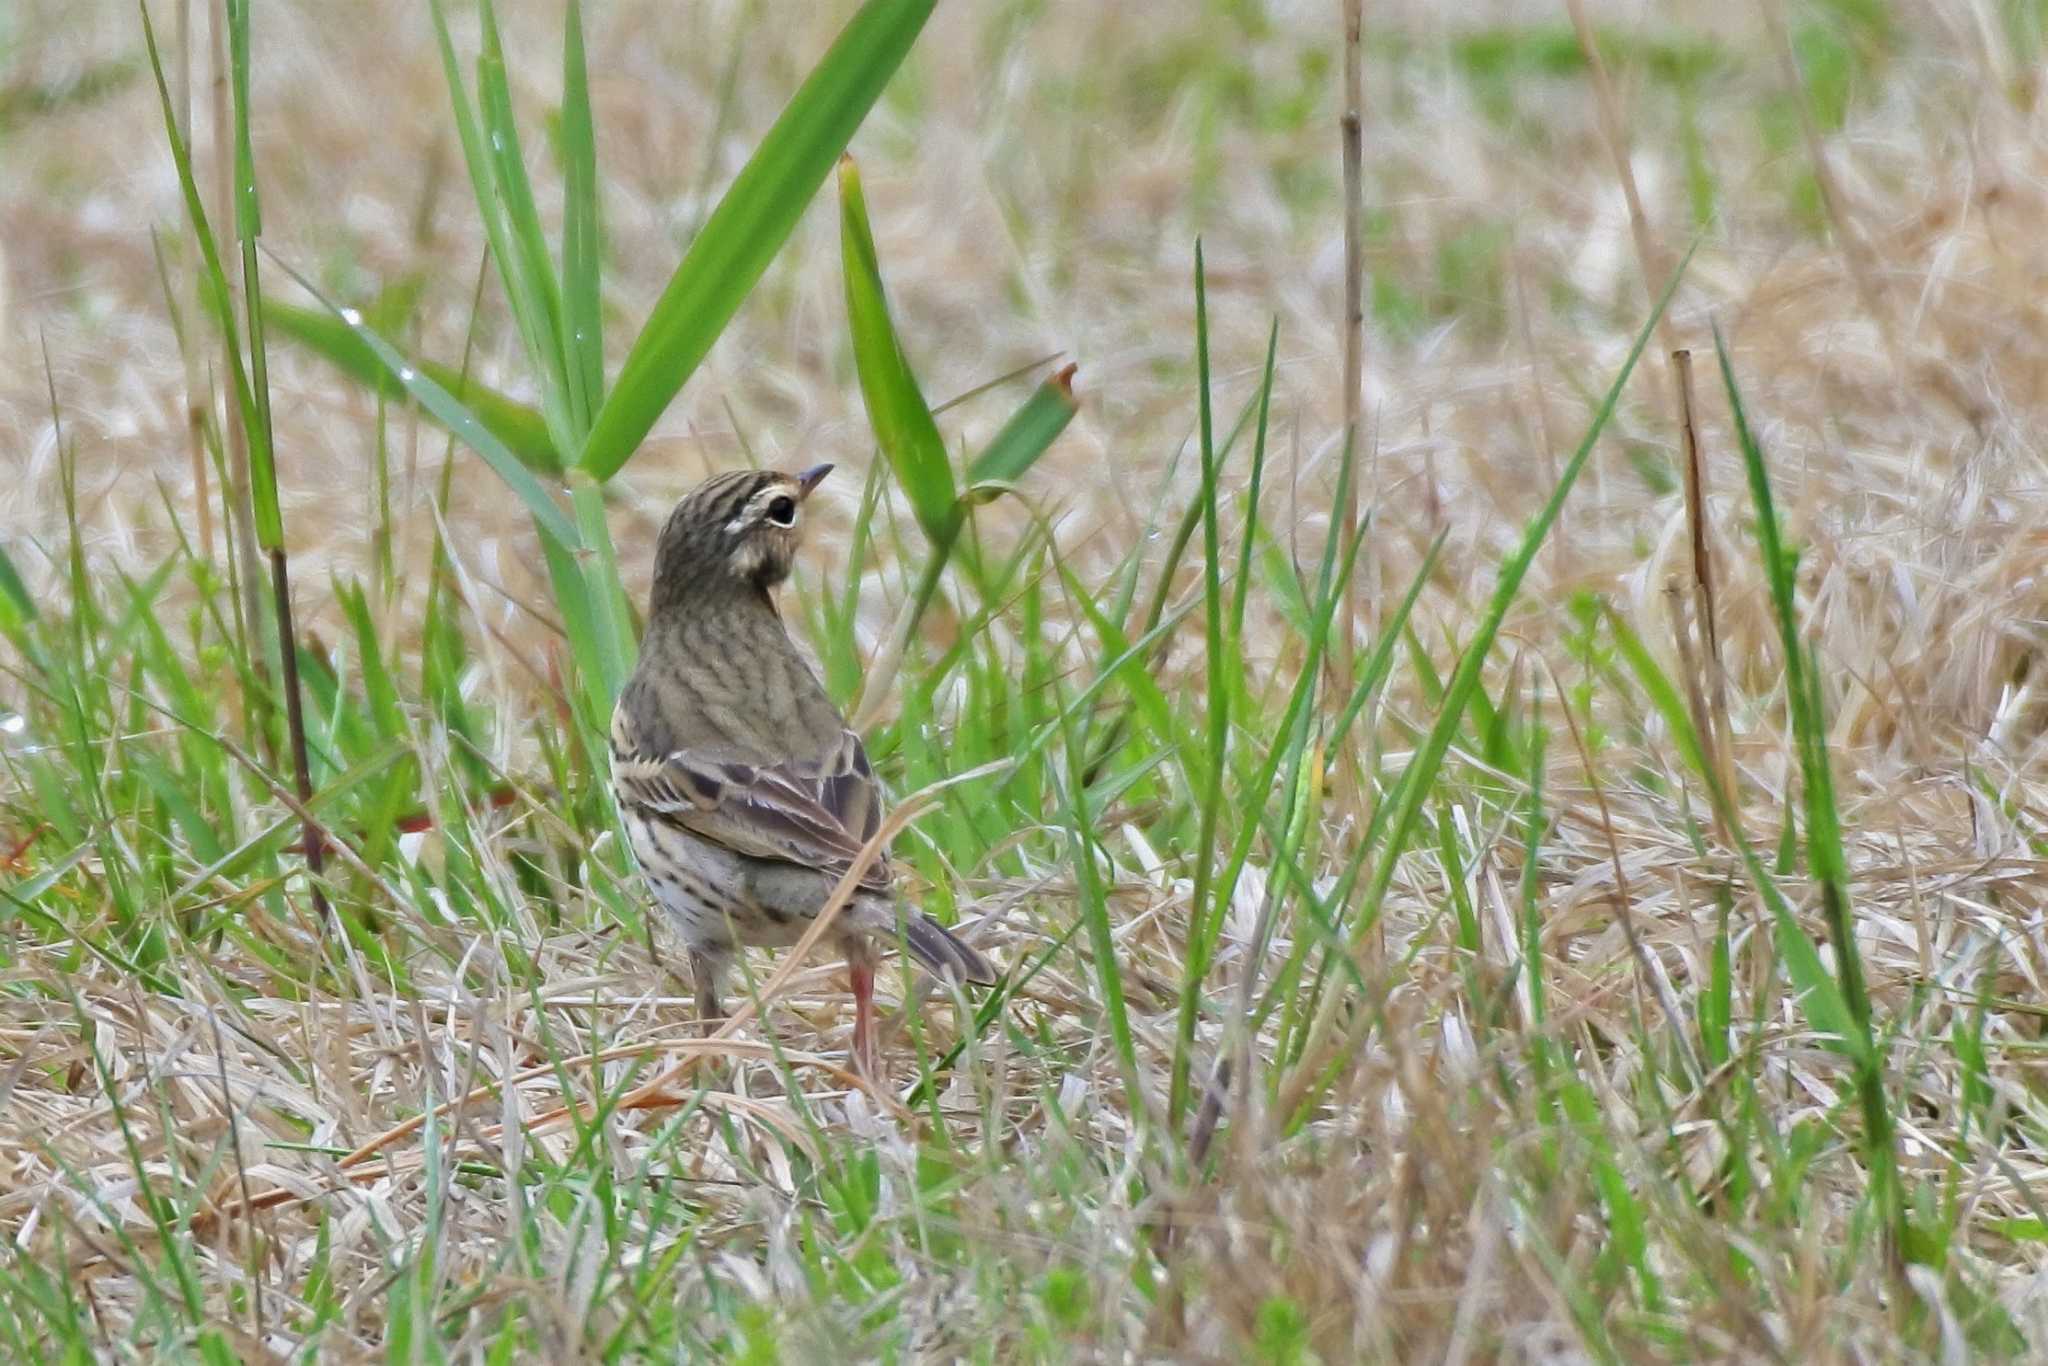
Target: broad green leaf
752 220
902 420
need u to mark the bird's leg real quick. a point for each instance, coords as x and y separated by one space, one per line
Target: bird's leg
706 968
860 966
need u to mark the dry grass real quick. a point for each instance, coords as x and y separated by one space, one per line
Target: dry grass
1038 182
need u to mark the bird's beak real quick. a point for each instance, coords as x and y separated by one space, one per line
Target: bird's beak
811 477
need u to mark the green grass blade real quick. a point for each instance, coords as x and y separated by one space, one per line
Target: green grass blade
751 222
1095 913
249 226
1201 912
582 232
897 410
1028 434
1826 857
529 272
612 620
1249 538
17 608
213 277
535 330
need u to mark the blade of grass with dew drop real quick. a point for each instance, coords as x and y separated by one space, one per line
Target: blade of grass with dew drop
753 219
521 429
582 230
902 420
452 414
1465 681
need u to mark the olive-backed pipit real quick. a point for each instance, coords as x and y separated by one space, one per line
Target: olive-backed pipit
745 795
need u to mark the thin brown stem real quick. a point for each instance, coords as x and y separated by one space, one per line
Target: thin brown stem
1695 695
1720 741
295 719
1352 133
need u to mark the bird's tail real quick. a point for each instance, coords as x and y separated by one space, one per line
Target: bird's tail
940 950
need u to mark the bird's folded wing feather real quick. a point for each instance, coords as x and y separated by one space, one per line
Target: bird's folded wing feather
815 813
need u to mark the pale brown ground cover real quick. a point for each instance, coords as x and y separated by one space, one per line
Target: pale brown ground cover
1036 191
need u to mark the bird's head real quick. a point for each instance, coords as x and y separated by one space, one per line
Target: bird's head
737 530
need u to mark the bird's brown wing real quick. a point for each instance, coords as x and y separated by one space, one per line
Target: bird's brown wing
815 813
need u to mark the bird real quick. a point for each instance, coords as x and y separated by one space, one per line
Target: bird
743 794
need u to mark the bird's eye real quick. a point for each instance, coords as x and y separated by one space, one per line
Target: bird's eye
782 511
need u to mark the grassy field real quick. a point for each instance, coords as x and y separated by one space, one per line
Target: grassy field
1595 914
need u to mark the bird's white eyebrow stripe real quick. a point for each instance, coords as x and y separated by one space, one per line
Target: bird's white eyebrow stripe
753 507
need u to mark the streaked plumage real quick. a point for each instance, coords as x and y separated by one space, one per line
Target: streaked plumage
745 795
